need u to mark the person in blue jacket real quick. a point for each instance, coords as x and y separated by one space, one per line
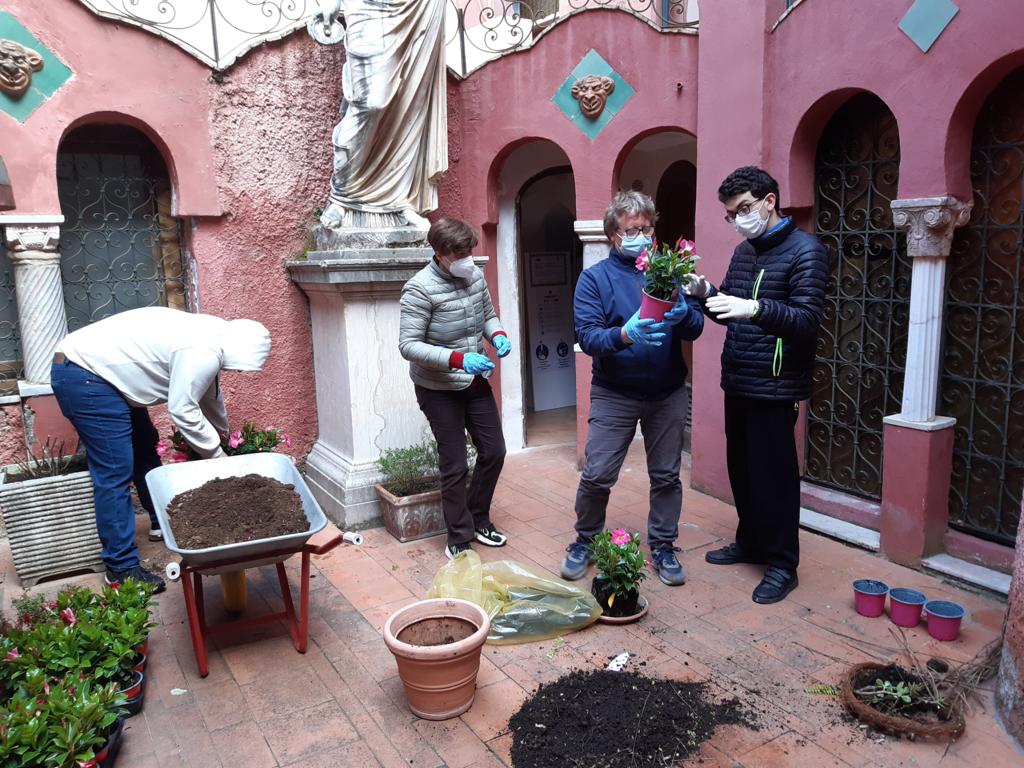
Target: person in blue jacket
638 377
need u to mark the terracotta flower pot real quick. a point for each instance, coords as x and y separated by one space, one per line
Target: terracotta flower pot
439 679
653 308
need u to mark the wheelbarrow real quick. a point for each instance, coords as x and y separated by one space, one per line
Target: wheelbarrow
229 560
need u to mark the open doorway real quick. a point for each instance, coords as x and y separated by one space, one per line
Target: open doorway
551 259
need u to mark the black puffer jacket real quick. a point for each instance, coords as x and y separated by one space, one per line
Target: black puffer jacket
792 292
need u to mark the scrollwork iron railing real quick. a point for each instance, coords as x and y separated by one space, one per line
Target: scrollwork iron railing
982 378
119 244
862 344
479 31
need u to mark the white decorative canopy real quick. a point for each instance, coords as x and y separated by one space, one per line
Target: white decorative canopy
216 32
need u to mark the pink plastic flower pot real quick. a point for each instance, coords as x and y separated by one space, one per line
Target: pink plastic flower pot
905 607
869 597
944 617
653 308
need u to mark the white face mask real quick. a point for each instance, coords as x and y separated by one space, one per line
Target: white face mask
462 267
751 225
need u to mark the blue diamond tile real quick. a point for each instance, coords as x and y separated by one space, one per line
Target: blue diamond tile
45 82
926 20
592 64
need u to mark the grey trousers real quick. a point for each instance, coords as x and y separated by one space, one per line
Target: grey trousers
612 426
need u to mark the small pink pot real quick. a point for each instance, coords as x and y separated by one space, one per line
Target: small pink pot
905 607
653 308
869 597
944 617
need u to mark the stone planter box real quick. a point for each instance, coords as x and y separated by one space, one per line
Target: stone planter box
51 525
408 518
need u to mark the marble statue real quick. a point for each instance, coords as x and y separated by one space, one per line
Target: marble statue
391 144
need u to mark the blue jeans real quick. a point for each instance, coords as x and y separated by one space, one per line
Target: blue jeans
120 446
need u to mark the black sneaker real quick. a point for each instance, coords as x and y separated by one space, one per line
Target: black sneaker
776 584
490 536
139 574
452 550
728 555
156 534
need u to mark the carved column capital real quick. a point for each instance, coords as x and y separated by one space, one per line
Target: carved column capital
929 223
28 238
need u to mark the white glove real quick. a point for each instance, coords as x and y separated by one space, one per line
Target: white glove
698 287
726 307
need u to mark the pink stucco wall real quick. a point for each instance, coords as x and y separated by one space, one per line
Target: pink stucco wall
1010 686
249 159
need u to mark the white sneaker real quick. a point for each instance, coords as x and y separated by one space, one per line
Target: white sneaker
155 534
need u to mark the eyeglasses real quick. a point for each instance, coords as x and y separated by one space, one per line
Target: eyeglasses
634 231
744 208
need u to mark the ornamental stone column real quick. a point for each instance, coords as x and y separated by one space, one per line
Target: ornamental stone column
918 444
596 247
32 242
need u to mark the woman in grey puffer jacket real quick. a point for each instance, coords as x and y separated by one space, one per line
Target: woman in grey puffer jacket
446 313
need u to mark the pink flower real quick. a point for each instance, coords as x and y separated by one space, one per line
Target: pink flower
620 538
162 447
286 440
269 428
68 617
86 764
12 654
53 605
643 262
235 440
177 457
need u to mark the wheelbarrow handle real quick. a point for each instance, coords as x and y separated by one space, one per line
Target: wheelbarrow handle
324 548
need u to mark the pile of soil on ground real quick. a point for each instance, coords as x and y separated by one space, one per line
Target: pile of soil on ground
230 510
440 631
603 719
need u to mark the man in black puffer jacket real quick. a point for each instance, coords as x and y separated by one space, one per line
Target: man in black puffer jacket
771 300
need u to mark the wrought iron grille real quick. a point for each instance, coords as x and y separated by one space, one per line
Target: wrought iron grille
982 381
10 338
120 247
862 343
479 31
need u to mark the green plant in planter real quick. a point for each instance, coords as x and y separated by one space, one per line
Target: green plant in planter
412 470
620 564
56 724
51 462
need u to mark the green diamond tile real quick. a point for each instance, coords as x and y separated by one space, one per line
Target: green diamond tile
592 64
926 20
45 83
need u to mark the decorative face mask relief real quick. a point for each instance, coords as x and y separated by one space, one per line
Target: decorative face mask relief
592 93
17 63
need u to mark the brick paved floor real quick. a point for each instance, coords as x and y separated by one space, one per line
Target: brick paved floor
341 704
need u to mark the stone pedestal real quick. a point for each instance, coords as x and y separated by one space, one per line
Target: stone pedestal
365 399
32 247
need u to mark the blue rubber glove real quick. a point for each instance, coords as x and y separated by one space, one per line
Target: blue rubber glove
502 345
475 363
644 331
679 312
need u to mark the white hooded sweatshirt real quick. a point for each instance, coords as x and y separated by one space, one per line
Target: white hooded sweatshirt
159 355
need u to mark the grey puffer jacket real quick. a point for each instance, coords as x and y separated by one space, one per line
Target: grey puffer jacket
442 314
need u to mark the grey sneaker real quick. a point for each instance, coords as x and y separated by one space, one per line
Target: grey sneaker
574 565
670 570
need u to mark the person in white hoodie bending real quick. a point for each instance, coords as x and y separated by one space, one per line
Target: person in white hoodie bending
106 375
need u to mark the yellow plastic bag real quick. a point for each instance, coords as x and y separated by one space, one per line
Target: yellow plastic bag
524 604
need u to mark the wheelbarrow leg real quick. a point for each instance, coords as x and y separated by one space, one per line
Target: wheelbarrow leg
195 621
304 603
298 640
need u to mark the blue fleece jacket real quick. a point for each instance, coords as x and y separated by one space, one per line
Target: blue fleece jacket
607 295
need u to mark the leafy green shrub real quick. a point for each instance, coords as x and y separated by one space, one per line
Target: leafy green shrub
412 470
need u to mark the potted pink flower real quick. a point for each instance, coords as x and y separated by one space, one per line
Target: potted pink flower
666 269
620 564
248 439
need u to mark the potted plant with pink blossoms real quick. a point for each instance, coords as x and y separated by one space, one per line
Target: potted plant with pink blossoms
666 269
620 564
248 439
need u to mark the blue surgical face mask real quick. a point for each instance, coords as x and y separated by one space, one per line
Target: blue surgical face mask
634 246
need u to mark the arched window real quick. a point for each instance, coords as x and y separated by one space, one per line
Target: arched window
982 378
120 247
862 344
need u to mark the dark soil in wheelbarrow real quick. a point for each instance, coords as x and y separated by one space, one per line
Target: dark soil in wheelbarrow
231 510
605 719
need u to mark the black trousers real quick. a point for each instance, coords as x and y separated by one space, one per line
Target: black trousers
451 414
765 478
